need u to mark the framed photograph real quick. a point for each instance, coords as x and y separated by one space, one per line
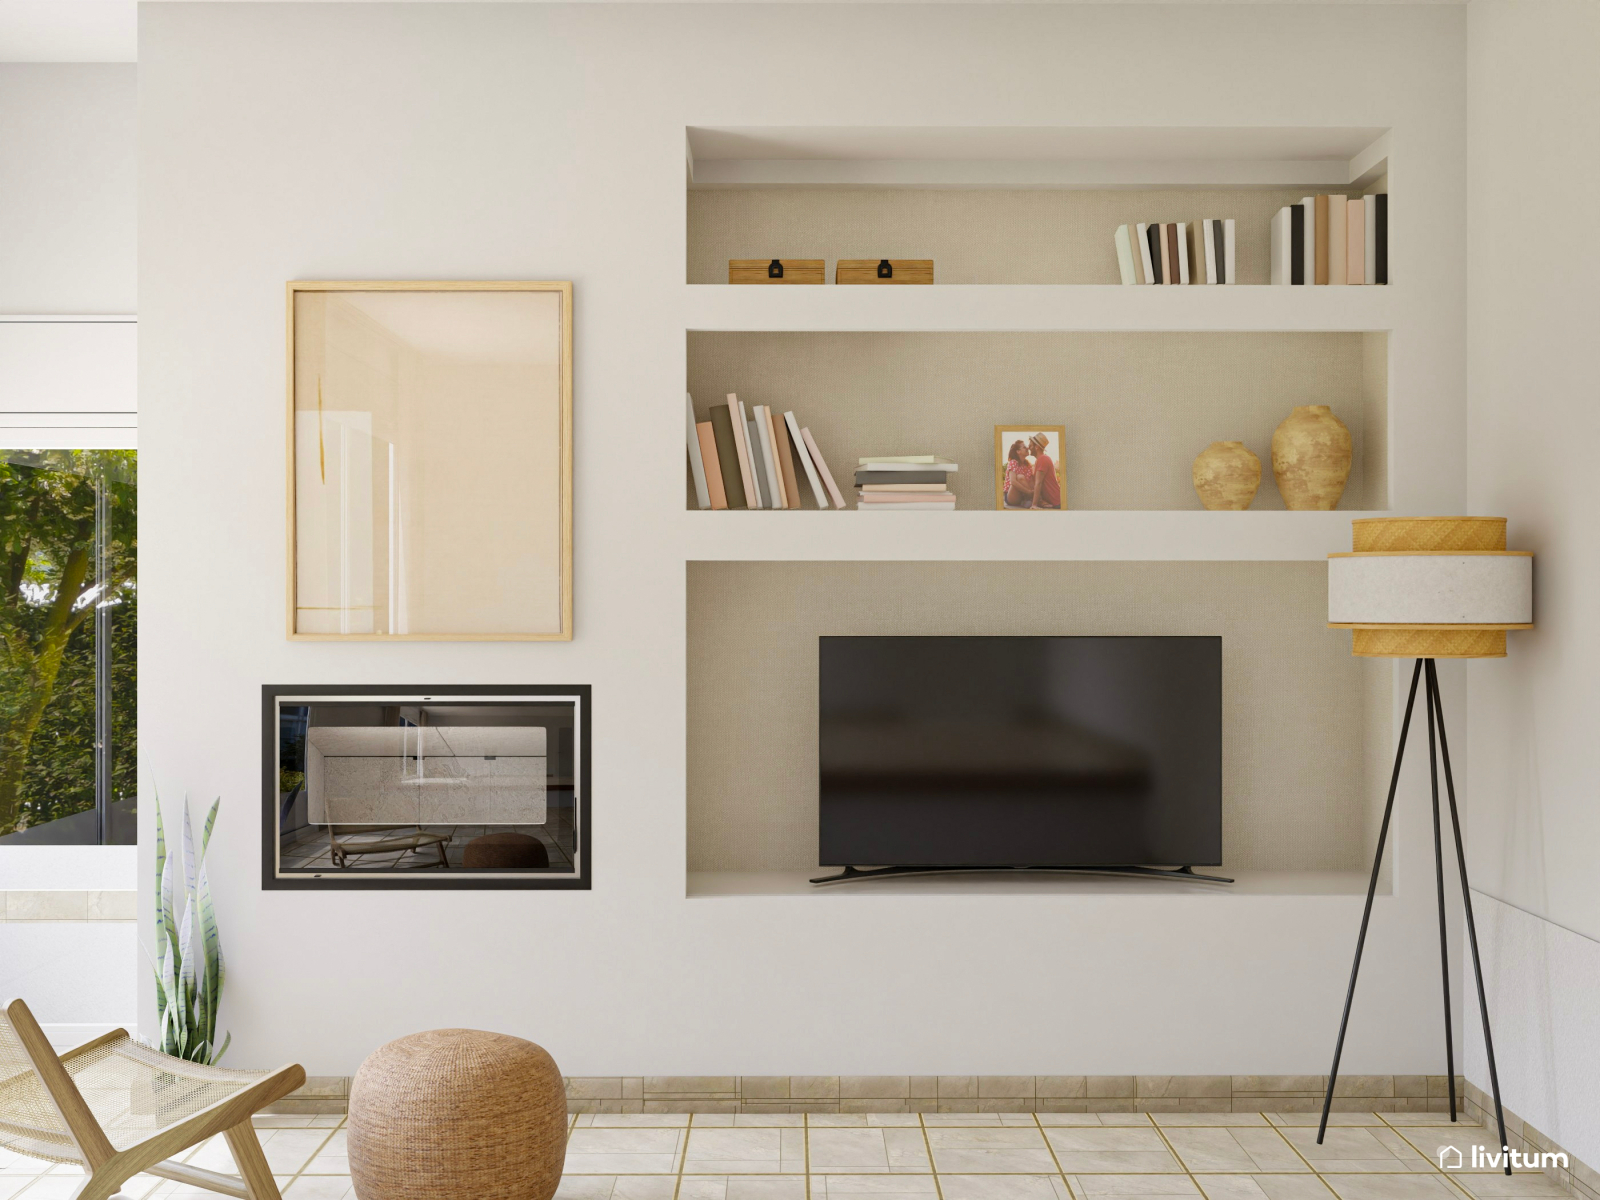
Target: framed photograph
427 787
430 461
1029 474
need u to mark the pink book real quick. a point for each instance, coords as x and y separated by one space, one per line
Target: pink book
822 465
1355 242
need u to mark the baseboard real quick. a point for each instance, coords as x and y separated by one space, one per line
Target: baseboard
1578 1177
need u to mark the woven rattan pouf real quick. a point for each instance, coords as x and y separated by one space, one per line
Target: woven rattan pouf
455 1114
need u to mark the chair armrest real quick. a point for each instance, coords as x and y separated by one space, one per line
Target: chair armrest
116 1035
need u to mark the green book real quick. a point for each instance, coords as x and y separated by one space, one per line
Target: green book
727 455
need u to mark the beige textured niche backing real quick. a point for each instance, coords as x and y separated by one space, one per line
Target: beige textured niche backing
1294 699
1137 407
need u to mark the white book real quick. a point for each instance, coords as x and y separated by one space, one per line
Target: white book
1369 213
1308 239
1280 246
1125 254
697 464
746 480
745 432
899 466
1183 252
1227 252
1144 253
916 506
822 465
905 458
1208 235
1336 236
804 455
762 487
769 457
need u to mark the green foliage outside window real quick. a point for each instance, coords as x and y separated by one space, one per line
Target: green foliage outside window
50 586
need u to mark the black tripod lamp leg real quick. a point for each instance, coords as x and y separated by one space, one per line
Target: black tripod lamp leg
1472 929
1366 913
1431 689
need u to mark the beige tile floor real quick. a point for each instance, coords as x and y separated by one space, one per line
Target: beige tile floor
943 1156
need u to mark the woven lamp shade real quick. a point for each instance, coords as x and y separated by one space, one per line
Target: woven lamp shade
457 1113
1430 587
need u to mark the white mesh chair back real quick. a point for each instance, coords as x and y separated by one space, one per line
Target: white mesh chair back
29 1122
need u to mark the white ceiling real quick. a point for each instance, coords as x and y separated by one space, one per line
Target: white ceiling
107 30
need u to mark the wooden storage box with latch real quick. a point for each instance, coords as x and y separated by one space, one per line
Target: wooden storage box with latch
883 270
777 270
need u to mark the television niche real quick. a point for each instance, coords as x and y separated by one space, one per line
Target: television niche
441 787
1099 755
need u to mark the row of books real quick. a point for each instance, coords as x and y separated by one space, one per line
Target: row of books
746 458
1176 252
905 483
1332 239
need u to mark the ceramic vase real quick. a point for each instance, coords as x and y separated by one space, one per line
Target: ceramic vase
1226 475
1311 458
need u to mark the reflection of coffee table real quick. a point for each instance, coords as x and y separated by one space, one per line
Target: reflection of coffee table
342 840
505 849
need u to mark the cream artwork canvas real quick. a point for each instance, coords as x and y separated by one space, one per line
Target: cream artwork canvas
430 461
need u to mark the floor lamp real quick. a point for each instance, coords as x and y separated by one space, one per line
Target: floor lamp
1427 588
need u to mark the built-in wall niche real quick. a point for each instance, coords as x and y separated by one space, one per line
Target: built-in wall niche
1307 729
1002 205
1137 407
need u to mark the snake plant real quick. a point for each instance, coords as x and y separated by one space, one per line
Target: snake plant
189 967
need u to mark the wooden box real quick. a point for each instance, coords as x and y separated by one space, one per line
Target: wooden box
883 270
777 270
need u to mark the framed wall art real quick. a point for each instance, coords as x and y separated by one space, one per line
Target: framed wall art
429 787
1029 474
430 461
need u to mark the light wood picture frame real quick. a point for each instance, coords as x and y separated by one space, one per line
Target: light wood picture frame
429 482
1019 450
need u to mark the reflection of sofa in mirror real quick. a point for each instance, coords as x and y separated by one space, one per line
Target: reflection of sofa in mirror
346 841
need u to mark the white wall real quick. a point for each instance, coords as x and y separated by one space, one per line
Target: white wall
67 191
546 142
1533 819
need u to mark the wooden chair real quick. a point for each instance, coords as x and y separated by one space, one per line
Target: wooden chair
117 1108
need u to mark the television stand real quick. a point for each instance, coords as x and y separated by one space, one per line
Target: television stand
850 873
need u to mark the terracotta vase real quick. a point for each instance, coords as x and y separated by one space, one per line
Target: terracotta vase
1226 475
1311 458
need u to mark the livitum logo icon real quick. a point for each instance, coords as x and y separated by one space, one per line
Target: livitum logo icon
1482 1159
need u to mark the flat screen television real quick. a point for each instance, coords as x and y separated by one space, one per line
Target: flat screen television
1020 752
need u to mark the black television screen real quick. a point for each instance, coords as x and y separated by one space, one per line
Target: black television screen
1020 751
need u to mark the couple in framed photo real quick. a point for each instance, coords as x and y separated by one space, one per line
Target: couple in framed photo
1028 473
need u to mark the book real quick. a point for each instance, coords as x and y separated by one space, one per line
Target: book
822 468
697 466
895 478
769 460
922 506
1152 236
757 466
804 455
1169 233
1208 239
708 455
1336 234
1228 275
1124 254
1280 247
1369 205
894 466
928 459
1380 237
904 497
1320 211
785 453
728 456
1144 253
1297 243
1355 244
747 460
1185 275
901 487
1308 236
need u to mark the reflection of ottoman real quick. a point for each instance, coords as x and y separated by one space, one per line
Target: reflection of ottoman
505 850
457 1113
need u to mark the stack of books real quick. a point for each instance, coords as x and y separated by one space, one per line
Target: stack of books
747 458
904 483
1332 239
1176 252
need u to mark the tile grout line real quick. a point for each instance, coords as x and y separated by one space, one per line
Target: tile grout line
1065 1182
1178 1158
927 1144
